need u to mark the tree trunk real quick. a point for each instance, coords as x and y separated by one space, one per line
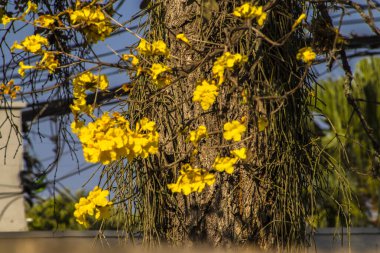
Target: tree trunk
268 198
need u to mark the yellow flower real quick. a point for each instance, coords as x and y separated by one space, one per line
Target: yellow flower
192 180
48 62
92 22
31 44
9 89
261 19
248 11
32 7
299 20
145 125
206 94
150 49
226 61
233 130
76 126
24 67
157 69
110 138
96 204
6 19
196 135
306 54
90 81
245 11
99 197
182 37
144 47
80 106
83 208
240 153
160 48
225 164
45 21
135 61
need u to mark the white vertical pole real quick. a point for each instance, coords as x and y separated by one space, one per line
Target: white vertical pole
12 209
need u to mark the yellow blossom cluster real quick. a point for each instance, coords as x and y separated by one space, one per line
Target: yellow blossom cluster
227 164
196 135
48 62
156 48
226 61
45 21
109 138
306 54
32 44
248 11
92 22
233 130
205 94
158 72
9 89
84 82
96 204
192 180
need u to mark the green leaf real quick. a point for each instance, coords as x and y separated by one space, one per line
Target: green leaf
263 123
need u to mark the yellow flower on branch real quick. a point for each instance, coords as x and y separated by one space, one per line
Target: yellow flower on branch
32 43
248 11
45 21
32 7
6 19
134 60
226 164
110 138
192 180
90 81
48 62
206 94
196 135
156 48
306 54
82 209
299 20
157 69
226 61
92 22
240 153
182 37
86 81
233 130
95 204
9 89
24 67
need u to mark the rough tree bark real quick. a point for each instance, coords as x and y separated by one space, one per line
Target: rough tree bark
267 200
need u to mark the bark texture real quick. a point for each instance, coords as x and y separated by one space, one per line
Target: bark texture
267 200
